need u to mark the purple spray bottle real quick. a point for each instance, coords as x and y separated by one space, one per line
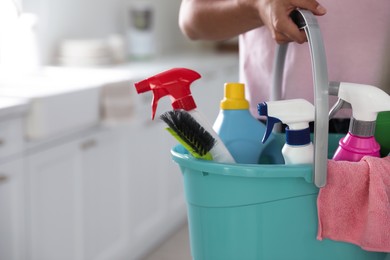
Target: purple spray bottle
366 102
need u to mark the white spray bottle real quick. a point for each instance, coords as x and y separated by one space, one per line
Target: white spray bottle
296 114
366 102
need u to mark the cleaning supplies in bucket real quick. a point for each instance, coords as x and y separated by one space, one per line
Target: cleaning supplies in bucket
296 113
250 212
236 126
176 84
366 101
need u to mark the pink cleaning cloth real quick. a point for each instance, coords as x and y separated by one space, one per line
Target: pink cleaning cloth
354 206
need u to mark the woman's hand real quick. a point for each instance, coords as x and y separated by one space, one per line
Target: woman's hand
275 14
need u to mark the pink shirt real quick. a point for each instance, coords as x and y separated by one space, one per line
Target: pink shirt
355 38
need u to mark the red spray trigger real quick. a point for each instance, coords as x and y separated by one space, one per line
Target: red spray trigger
174 83
142 86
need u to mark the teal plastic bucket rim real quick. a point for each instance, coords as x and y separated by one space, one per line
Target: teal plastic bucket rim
184 159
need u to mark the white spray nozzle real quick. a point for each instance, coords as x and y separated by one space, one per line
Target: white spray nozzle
296 113
366 101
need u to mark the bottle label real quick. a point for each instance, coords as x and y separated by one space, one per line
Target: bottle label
298 137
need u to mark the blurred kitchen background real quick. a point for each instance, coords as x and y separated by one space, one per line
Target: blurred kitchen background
85 174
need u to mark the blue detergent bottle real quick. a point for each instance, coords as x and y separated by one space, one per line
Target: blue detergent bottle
237 128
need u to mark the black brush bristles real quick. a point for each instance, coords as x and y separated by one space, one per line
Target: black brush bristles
189 130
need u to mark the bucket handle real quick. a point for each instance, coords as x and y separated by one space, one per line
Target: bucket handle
307 21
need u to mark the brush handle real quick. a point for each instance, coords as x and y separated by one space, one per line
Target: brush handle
219 152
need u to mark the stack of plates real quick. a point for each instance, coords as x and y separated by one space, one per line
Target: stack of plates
84 53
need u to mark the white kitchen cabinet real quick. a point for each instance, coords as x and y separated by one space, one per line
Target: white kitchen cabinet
12 214
157 204
104 196
12 180
77 201
55 189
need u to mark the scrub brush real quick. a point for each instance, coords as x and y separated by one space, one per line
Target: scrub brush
189 133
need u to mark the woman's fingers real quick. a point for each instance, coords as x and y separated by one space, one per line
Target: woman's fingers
282 28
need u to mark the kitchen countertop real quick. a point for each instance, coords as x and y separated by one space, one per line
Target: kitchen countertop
12 106
17 93
56 80
191 60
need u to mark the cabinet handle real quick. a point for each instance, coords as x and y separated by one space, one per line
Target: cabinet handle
2 142
88 144
3 178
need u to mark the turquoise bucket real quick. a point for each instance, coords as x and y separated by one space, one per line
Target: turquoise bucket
257 211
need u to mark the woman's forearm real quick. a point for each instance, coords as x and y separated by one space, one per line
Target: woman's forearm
224 19
217 19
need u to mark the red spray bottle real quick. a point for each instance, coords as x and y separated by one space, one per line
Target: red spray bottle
176 83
